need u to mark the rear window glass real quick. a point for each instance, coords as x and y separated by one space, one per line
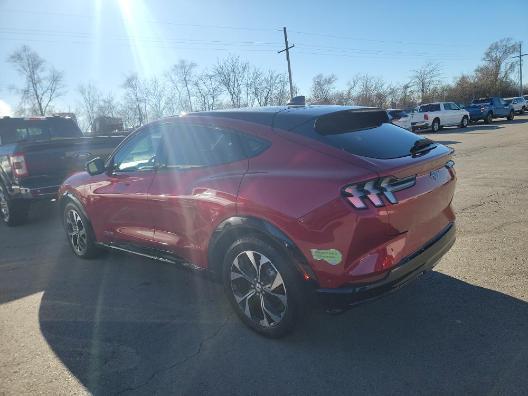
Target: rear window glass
482 101
397 113
429 107
13 130
383 142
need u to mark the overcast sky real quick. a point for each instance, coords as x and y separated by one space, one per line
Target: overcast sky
103 40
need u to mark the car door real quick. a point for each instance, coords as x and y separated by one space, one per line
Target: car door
457 113
196 187
447 114
121 201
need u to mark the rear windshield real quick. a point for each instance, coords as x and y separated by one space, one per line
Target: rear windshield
429 107
482 101
383 142
14 130
397 113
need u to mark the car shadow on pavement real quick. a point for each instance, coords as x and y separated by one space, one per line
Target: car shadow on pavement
124 324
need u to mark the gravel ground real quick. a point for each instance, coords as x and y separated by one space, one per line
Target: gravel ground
122 324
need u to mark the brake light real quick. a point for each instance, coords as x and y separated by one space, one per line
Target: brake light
18 164
375 190
426 116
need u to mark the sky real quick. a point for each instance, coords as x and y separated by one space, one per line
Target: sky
101 41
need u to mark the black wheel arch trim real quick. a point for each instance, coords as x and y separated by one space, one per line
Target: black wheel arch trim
245 223
69 196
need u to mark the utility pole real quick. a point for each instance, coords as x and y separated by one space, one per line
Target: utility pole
520 56
287 50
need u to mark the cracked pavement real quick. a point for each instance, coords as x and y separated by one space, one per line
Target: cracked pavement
128 325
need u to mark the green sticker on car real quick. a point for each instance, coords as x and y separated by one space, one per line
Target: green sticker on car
331 256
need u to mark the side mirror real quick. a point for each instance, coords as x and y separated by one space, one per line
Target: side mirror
95 166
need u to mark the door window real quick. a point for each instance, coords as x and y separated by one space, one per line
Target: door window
139 153
188 146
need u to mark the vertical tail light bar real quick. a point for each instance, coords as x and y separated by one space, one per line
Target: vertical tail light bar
426 116
18 165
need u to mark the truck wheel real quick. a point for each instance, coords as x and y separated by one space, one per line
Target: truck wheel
12 212
435 126
262 287
79 232
511 116
489 118
464 122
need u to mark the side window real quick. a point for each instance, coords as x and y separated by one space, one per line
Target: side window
187 146
139 153
447 106
454 106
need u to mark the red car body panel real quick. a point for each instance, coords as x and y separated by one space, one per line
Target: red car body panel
294 185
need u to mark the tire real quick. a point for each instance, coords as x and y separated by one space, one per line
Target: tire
435 126
511 116
489 118
464 123
13 212
79 233
267 296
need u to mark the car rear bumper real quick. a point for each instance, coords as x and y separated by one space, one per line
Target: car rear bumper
407 270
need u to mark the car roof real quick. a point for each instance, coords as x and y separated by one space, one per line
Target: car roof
282 117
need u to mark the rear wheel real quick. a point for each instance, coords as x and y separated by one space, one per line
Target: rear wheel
12 212
435 126
489 118
464 122
511 116
262 287
79 232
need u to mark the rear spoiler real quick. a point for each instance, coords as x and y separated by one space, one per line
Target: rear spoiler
350 121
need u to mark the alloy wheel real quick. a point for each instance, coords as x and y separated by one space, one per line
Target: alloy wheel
76 232
258 288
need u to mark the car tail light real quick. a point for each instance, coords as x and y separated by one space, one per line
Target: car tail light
426 116
18 164
375 190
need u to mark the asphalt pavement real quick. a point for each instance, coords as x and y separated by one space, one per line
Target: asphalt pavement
128 325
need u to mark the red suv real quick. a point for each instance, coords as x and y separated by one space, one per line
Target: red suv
276 201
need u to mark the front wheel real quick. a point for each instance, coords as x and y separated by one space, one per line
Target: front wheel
262 286
79 232
12 212
511 116
464 122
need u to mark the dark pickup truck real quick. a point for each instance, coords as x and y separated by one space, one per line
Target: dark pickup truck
36 155
489 108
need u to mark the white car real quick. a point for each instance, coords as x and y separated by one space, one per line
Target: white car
518 103
434 116
400 118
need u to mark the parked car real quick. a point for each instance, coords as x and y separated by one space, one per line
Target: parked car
489 108
400 118
36 155
518 104
437 115
278 202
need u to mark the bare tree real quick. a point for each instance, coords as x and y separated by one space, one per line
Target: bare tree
232 74
181 76
108 106
498 65
207 90
426 79
43 84
156 98
134 108
323 89
90 105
